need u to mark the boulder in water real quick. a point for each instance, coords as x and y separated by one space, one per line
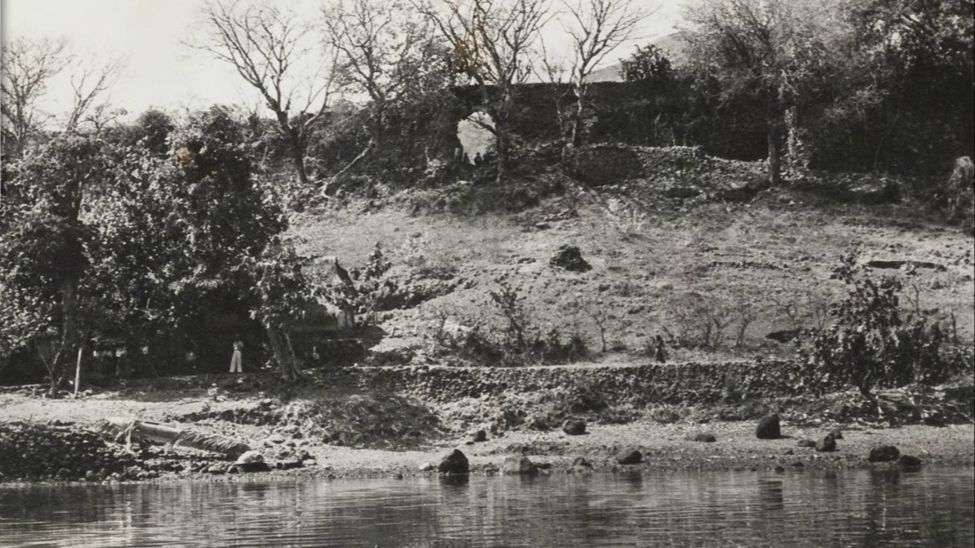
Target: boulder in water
454 462
908 462
884 453
518 465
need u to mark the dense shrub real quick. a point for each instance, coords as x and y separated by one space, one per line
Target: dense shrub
956 197
871 341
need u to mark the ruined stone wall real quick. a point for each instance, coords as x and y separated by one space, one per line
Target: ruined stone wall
651 383
635 114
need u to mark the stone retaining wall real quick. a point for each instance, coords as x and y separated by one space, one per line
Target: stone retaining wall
687 383
40 451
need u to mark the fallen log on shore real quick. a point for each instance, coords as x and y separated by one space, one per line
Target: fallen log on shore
128 430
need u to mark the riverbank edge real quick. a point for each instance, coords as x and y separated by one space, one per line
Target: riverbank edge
664 445
955 448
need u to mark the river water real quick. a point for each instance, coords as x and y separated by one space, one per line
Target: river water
933 507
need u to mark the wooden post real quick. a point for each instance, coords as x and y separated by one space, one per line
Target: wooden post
77 370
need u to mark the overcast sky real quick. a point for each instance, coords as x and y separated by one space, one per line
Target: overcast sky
148 36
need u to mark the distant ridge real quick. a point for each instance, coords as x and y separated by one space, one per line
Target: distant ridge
673 45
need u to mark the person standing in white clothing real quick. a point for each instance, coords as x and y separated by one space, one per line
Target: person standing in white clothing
237 358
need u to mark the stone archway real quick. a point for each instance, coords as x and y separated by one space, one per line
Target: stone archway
474 138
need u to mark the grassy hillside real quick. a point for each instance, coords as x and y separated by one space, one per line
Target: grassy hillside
662 261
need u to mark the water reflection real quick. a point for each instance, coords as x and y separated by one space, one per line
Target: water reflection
932 507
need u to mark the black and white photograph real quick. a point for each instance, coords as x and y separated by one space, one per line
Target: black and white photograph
451 273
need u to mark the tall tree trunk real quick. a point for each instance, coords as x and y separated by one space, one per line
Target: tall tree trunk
378 124
295 144
298 158
577 129
69 332
502 124
501 162
774 159
283 352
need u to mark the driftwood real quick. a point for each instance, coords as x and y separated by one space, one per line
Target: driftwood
126 429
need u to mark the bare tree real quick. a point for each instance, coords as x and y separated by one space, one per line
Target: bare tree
600 318
27 68
596 29
90 82
745 310
492 44
380 46
271 49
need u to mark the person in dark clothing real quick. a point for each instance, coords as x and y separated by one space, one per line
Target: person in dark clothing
661 353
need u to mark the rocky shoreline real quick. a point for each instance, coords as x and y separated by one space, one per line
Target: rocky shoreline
400 422
613 449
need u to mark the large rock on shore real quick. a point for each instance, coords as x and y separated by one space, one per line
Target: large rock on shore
574 427
251 461
826 444
454 462
570 258
629 456
705 437
768 428
581 463
908 462
884 453
518 466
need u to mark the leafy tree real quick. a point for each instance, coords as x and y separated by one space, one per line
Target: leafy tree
911 82
154 126
777 50
44 245
281 291
203 228
127 243
648 64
